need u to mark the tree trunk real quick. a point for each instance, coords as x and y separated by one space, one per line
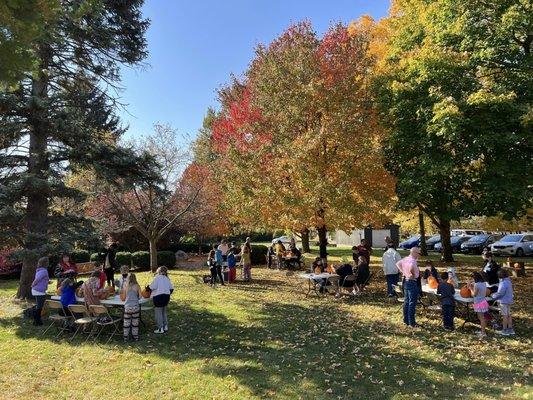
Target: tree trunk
444 230
35 220
322 242
423 248
305 241
153 254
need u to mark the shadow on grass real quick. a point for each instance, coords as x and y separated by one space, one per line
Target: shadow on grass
288 350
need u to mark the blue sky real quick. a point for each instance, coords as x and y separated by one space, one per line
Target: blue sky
195 45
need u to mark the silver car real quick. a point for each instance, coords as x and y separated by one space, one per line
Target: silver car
514 245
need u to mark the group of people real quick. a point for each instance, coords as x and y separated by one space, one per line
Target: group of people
489 285
283 256
224 258
94 289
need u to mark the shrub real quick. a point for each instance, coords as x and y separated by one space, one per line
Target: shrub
80 256
96 257
123 258
259 253
166 258
141 259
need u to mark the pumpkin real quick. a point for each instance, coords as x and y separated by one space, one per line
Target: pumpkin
145 293
318 270
465 292
432 282
122 296
331 270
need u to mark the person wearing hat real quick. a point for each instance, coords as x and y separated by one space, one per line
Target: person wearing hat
409 269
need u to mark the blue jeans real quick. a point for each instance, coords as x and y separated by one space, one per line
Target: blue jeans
392 279
409 304
448 313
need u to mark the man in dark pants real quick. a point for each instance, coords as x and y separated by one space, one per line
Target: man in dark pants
110 264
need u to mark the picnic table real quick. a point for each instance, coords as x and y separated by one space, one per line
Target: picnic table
114 301
463 304
313 279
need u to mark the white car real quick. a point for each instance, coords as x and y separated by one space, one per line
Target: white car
284 239
514 245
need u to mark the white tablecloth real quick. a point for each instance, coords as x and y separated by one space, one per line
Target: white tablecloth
314 276
113 301
458 297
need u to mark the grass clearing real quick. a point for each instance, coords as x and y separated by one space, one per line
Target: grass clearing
265 339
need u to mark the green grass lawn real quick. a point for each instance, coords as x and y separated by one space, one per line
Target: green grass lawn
267 340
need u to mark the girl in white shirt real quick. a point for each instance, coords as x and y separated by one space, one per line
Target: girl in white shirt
161 288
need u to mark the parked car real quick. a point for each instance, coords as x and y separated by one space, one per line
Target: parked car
467 232
455 242
413 241
477 243
514 245
431 242
284 239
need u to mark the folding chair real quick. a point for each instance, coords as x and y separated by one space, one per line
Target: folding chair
103 319
56 319
86 320
433 302
347 278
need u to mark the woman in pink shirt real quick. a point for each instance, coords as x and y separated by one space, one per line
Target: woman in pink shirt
409 269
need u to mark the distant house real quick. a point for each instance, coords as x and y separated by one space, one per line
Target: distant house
376 237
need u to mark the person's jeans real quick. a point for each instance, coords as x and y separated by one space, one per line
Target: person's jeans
448 313
161 317
110 276
39 304
392 279
409 304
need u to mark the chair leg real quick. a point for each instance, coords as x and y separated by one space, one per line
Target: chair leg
48 328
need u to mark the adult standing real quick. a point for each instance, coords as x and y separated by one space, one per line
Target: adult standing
110 264
390 258
280 251
38 288
490 271
224 248
409 269
161 288
246 260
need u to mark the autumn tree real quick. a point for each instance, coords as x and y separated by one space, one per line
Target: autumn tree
455 93
56 119
158 203
300 136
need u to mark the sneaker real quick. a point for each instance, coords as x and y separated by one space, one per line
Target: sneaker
510 332
502 332
159 331
165 328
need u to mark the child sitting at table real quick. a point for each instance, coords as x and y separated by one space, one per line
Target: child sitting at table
505 296
447 300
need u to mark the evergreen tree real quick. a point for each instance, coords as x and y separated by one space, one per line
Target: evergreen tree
61 117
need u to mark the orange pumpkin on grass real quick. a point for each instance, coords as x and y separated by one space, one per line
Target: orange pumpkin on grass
145 293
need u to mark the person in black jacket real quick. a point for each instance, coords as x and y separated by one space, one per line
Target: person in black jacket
110 263
490 271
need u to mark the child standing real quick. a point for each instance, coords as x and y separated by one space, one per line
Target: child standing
246 260
232 266
131 293
505 296
447 300
38 288
479 290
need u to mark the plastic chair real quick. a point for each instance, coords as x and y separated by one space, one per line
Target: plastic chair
103 319
86 320
61 321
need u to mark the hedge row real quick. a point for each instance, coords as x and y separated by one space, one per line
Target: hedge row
141 259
